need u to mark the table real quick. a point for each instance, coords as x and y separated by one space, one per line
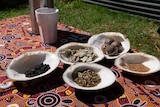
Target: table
51 91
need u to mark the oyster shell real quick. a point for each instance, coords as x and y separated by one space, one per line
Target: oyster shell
73 52
147 60
106 75
21 64
117 39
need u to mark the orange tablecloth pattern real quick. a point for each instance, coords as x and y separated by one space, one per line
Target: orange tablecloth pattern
51 91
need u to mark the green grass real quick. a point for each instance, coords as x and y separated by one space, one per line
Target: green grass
97 19
12 12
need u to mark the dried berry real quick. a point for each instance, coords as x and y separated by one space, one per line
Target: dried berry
37 70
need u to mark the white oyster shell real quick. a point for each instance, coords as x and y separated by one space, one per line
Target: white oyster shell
75 45
99 39
138 58
19 65
106 75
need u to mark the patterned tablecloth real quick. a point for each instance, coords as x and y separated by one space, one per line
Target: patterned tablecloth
51 91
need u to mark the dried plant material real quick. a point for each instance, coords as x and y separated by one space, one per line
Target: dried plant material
79 55
137 67
86 78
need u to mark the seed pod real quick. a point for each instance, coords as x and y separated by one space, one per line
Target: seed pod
110 49
103 48
115 43
109 41
120 49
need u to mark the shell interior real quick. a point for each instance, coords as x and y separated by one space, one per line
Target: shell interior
106 75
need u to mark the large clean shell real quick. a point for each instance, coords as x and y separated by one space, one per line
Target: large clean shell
147 60
106 75
21 64
74 52
99 39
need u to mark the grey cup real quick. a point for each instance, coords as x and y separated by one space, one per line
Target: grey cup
47 19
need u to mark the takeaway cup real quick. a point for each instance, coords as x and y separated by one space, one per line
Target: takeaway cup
47 19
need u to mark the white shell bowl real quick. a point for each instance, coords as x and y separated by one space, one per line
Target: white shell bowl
139 58
19 65
74 45
99 39
106 75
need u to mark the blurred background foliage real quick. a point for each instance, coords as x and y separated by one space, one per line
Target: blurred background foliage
6 4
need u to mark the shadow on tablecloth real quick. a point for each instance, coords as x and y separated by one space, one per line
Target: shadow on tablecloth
100 96
46 83
151 79
64 37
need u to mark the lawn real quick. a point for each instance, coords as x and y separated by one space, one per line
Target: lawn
95 19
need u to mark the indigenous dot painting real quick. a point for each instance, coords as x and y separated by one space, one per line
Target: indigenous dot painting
16 38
